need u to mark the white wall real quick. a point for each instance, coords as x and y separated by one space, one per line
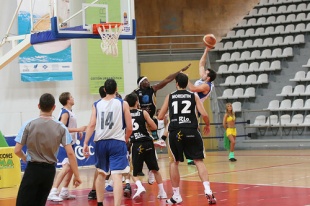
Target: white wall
18 100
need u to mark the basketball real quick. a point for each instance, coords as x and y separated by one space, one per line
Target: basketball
209 40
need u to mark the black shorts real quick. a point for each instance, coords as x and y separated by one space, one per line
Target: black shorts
188 142
143 152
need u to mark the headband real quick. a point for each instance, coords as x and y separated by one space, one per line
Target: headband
141 80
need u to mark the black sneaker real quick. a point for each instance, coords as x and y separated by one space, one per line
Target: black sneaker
92 195
191 163
211 199
140 174
127 190
233 159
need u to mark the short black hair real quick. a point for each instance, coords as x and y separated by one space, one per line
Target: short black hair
47 102
102 92
212 75
182 80
110 86
131 98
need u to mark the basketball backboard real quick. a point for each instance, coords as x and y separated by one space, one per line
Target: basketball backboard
68 24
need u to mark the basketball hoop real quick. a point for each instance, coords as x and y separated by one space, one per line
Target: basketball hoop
109 33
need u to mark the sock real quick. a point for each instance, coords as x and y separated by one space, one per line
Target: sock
64 189
206 185
127 181
139 184
176 191
161 188
99 204
231 155
164 137
54 190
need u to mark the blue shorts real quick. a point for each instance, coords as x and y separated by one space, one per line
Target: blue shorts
111 156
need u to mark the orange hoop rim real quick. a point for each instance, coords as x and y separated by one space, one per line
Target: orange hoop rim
107 25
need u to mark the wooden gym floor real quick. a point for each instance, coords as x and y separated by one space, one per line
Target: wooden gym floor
259 177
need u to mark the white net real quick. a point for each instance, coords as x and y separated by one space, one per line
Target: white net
109 38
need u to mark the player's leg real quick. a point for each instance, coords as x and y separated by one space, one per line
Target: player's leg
196 152
127 188
64 193
53 196
99 188
151 162
92 194
176 152
137 163
119 165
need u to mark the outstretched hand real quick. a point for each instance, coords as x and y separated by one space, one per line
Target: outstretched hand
185 68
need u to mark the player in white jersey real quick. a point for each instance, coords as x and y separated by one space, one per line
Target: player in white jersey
204 85
68 118
112 121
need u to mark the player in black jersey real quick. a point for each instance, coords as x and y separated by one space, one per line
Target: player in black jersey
147 99
143 149
147 93
184 136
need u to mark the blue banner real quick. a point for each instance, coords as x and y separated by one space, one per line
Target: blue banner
78 149
50 61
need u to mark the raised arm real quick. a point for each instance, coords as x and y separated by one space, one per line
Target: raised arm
168 79
202 62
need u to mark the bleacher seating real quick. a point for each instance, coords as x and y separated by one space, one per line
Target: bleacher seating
258 47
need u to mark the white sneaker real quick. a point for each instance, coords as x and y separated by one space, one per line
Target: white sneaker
54 197
162 195
151 178
66 196
174 200
138 193
160 143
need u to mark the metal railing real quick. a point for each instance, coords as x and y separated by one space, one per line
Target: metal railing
169 44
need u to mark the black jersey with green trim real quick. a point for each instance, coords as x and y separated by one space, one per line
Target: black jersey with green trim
182 110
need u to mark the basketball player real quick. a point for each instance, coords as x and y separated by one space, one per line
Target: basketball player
108 186
68 118
204 85
147 98
184 136
112 120
43 137
143 149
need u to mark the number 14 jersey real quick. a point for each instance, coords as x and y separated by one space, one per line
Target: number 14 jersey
110 120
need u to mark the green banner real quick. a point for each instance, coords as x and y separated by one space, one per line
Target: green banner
100 65
3 142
